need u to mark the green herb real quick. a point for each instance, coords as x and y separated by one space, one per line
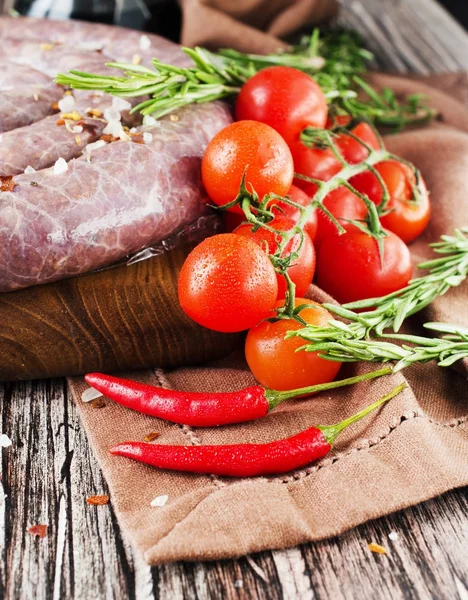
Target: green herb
334 60
340 342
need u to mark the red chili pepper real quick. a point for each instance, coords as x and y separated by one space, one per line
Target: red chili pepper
200 409
247 460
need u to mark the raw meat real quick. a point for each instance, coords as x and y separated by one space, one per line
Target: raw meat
129 196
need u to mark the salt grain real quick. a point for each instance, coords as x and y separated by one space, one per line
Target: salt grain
29 169
159 501
77 128
90 394
147 137
113 128
112 114
95 145
5 441
149 121
66 104
60 166
145 42
238 583
393 535
120 103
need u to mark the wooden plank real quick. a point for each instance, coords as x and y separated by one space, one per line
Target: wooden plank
49 471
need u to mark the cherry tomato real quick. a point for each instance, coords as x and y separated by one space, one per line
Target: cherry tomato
343 205
232 220
227 283
349 268
408 220
315 163
302 270
284 98
322 164
338 121
274 360
352 150
251 147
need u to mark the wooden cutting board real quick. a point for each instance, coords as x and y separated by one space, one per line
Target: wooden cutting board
126 317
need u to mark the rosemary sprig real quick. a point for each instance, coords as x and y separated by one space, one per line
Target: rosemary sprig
340 342
334 60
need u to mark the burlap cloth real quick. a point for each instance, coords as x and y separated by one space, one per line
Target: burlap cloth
415 448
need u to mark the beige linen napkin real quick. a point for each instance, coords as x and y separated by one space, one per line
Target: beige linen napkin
415 448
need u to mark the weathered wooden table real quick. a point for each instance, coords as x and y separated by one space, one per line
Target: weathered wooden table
49 470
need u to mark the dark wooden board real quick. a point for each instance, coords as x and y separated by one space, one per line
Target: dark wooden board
123 318
50 470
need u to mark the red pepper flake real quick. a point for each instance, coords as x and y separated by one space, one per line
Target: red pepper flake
98 500
39 530
7 183
151 436
54 106
108 137
60 122
138 138
98 403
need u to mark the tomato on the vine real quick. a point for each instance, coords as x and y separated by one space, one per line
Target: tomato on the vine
301 270
275 361
344 206
285 98
322 164
351 149
246 147
407 219
232 220
349 266
227 283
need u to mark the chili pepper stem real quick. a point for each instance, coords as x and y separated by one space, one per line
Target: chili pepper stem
331 432
275 397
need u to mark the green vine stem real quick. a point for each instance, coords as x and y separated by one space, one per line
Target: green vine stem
334 60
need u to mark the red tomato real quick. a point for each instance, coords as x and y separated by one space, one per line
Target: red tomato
349 269
246 146
343 205
338 121
301 198
274 360
353 151
315 163
302 271
232 220
227 283
406 219
284 98
323 165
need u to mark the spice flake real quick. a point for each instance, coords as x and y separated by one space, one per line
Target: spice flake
98 500
151 436
98 403
7 183
376 548
38 530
